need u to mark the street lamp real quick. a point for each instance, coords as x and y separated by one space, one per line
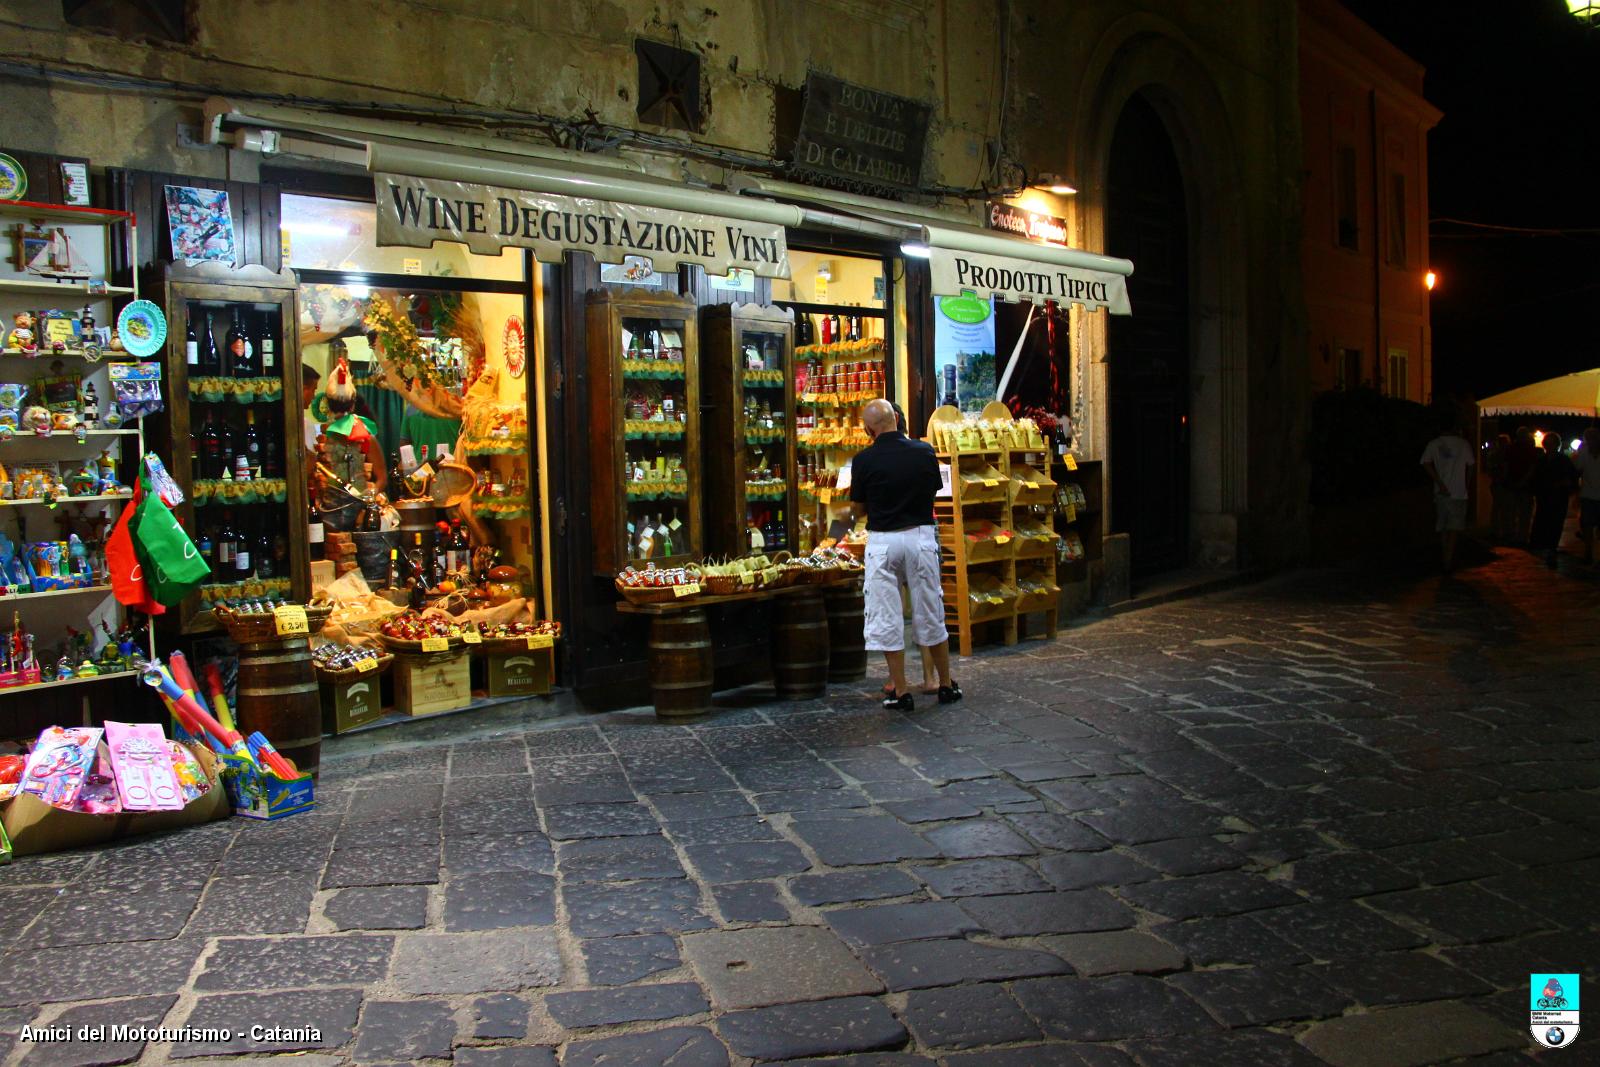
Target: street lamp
1430 279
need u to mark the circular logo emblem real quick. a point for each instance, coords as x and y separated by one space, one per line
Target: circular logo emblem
1555 1036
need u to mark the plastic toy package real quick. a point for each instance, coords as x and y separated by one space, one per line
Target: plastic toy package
135 399
59 764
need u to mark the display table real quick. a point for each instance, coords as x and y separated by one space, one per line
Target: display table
681 648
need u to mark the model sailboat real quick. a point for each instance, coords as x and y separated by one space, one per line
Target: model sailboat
58 259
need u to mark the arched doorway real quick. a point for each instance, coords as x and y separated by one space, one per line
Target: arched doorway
1149 352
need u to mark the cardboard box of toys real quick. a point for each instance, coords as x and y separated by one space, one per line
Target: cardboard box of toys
257 792
33 824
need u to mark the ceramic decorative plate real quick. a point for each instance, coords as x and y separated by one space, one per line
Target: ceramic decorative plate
13 179
516 344
143 328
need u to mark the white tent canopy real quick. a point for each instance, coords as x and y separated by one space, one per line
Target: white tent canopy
1570 394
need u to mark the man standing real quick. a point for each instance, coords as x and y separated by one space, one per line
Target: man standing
1446 460
894 482
1587 461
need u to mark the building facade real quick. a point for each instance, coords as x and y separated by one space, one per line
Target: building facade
1177 124
1365 240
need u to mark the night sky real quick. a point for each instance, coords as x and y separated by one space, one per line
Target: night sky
1519 145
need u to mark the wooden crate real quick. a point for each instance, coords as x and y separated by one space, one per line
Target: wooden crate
427 685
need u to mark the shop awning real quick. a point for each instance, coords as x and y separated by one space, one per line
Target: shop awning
1570 394
967 258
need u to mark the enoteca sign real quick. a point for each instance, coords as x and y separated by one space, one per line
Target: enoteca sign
416 212
858 137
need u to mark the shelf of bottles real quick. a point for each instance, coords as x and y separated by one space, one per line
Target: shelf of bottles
238 479
840 364
767 429
655 429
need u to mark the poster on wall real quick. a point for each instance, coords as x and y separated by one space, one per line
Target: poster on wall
201 222
963 350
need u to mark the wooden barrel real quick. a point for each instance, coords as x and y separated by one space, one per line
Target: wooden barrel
278 695
847 641
800 647
681 664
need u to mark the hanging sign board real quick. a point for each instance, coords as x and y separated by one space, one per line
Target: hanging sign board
1010 279
859 138
416 212
1034 225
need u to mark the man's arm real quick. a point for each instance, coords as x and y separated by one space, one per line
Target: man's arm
1438 482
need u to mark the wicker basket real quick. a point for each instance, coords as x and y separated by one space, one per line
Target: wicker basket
256 627
403 646
649 594
726 585
385 661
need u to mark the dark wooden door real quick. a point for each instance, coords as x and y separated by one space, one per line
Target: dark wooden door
1149 351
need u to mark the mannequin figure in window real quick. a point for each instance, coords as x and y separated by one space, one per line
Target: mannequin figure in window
349 448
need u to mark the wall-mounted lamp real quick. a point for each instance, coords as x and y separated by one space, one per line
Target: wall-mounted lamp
1055 183
916 249
1430 279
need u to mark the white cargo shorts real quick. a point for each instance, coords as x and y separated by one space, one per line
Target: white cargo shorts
910 557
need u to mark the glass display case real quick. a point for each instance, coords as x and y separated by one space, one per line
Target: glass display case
644 429
752 491
237 445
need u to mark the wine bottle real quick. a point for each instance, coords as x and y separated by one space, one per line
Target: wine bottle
242 555
263 555
827 329
210 448
191 346
267 346
252 443
208 547
316 532
241 359
227 547
228 447
210 360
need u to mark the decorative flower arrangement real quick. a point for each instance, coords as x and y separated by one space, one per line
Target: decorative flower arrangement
400 345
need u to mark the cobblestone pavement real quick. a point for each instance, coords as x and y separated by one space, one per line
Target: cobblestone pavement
1331 818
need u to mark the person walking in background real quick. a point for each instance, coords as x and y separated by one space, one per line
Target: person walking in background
1494 465
1446 460
1553 482
1522 459
1587 462
894 481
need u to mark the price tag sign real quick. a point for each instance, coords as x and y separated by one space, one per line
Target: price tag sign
290 619
472 637
1072 513
435 644
366 666
686 589
991 482
1031 485
1070 460
536 641
1003 539
827 496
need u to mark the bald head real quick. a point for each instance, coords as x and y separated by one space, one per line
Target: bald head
878 416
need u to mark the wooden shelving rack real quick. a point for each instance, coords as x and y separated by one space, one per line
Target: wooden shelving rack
995 490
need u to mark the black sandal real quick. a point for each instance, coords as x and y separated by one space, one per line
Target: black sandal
949 694
901 702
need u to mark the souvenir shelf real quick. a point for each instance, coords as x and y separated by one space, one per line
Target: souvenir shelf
999 543
751 489
644 372
831 383
243 405
59 258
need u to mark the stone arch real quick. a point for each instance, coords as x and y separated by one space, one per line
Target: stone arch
1146 55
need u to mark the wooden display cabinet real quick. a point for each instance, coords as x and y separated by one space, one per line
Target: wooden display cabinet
644 429
749 429
273 502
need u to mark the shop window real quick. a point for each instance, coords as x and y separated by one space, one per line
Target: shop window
1348 231
160 20
321 233
1397 221
1350 368
1399 377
